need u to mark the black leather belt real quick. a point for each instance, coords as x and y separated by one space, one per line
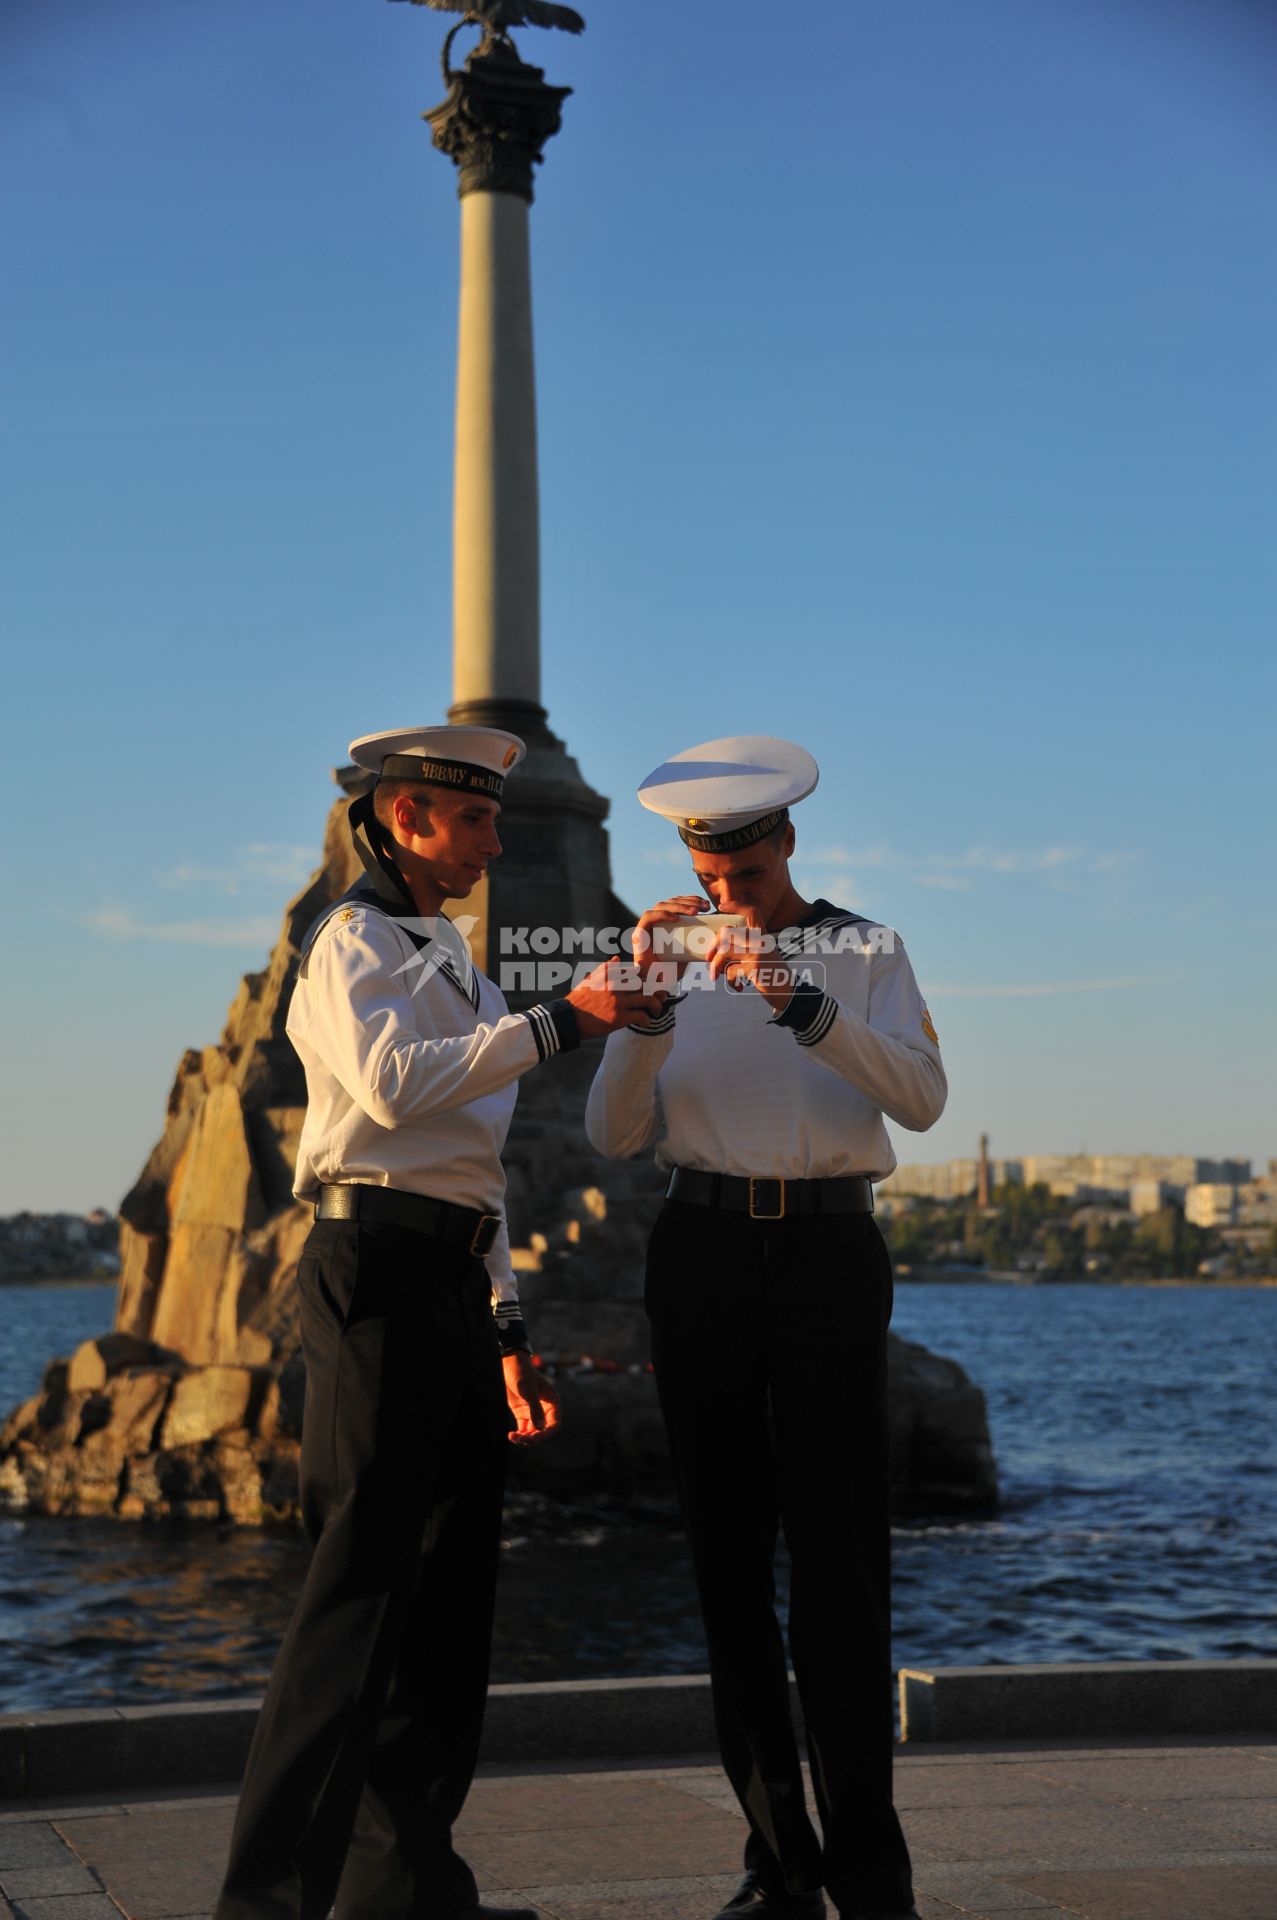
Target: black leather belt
439 1218
763 1198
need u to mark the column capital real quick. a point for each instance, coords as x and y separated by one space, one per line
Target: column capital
497 117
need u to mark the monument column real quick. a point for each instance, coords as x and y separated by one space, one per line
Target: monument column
494 123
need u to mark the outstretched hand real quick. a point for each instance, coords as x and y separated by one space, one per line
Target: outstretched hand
614 995
532 1399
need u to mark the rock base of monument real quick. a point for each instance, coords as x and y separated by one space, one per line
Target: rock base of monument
126 1429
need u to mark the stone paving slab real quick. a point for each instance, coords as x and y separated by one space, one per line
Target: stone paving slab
1186 1832
1227 1893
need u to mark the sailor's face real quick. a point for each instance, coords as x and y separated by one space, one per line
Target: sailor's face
457 837
756 878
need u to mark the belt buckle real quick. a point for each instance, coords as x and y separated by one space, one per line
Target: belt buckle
485 1233
765 1180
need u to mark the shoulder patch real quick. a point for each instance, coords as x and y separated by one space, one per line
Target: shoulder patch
928 1028
333 916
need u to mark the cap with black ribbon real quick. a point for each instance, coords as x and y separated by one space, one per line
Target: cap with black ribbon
727 794
466 759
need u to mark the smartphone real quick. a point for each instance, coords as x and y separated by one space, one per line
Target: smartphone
695 937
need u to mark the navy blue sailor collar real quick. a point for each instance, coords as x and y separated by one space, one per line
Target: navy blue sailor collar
821 918
384 889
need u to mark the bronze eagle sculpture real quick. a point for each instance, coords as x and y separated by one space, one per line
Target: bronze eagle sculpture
498 16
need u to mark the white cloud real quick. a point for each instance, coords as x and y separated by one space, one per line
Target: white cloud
834 857
955 870
265 860
1037 988
212 879
117 923
262 866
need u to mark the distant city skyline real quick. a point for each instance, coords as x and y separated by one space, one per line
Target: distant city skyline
923 412
1102 1169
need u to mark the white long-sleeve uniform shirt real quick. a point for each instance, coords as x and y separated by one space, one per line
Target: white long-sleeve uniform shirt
410 1083
719 1084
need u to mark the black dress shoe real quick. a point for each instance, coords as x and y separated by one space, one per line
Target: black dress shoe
751 1901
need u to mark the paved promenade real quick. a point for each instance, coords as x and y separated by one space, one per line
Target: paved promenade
1133 1831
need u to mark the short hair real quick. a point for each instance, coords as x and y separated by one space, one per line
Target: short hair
386 792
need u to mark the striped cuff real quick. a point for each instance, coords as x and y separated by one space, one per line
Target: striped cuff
555 1027
512 1335
809 1015
663 1021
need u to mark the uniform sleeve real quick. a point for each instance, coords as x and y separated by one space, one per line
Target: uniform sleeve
512 1333
623 1113
360 1015
891 1055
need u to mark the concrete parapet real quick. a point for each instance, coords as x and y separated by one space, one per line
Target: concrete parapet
1085 1699
90 1750
84 1751
87 1750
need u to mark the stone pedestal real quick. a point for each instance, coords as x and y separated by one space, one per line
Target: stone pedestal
555 871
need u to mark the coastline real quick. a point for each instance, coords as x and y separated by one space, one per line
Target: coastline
907 1273
59 1280
177 1743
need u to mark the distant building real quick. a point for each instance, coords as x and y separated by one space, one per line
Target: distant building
1211 1203
950 1179
1068 1174
1233 1173
1150 1196
1257 1203
51 1246
1050 1169
1070 1187
1145 1182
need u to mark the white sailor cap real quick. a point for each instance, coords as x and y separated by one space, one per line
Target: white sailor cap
467 759
727 794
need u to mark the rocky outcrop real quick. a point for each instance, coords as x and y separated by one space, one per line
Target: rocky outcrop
192 1406
210 1232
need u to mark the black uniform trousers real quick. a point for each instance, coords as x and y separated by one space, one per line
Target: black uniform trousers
769 1343
369 1732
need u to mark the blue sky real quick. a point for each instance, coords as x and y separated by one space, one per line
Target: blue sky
906 388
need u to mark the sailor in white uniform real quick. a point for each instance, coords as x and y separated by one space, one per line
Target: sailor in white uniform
762 1087
418 1366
